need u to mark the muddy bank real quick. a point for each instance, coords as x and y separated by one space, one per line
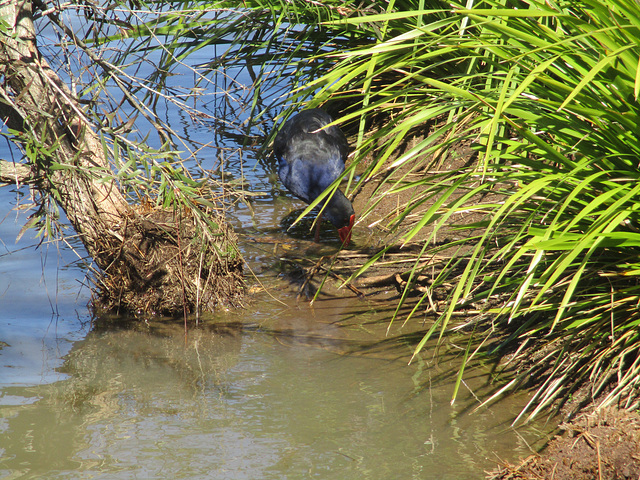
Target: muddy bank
603 446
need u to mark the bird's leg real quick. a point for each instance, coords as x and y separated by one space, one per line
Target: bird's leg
318 222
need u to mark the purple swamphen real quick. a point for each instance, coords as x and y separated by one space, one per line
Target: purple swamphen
310 158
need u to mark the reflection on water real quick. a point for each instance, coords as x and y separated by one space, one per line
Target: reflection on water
271 395
279 390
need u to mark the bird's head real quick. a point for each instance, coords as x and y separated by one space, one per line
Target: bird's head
340 212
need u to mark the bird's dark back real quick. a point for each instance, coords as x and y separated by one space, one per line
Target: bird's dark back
303 136
310 157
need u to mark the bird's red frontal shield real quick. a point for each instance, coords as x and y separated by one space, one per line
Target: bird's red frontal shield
345 232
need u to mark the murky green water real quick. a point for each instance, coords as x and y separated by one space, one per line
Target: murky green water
242 403
277 390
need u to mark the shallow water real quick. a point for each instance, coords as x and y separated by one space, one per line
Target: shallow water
245 401
277 390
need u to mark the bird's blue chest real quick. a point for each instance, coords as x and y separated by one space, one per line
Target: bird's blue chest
307 179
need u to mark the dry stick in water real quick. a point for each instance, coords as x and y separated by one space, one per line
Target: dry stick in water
310 276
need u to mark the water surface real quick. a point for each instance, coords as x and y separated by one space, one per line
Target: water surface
238 402
277 390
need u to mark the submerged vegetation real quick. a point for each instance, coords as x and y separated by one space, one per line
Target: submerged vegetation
544 93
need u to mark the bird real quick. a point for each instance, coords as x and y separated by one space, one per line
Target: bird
310 158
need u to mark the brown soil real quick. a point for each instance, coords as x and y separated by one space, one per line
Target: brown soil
603 446
376 206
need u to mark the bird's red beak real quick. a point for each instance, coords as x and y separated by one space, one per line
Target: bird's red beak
345 232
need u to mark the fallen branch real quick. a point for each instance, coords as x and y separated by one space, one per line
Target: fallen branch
145 266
